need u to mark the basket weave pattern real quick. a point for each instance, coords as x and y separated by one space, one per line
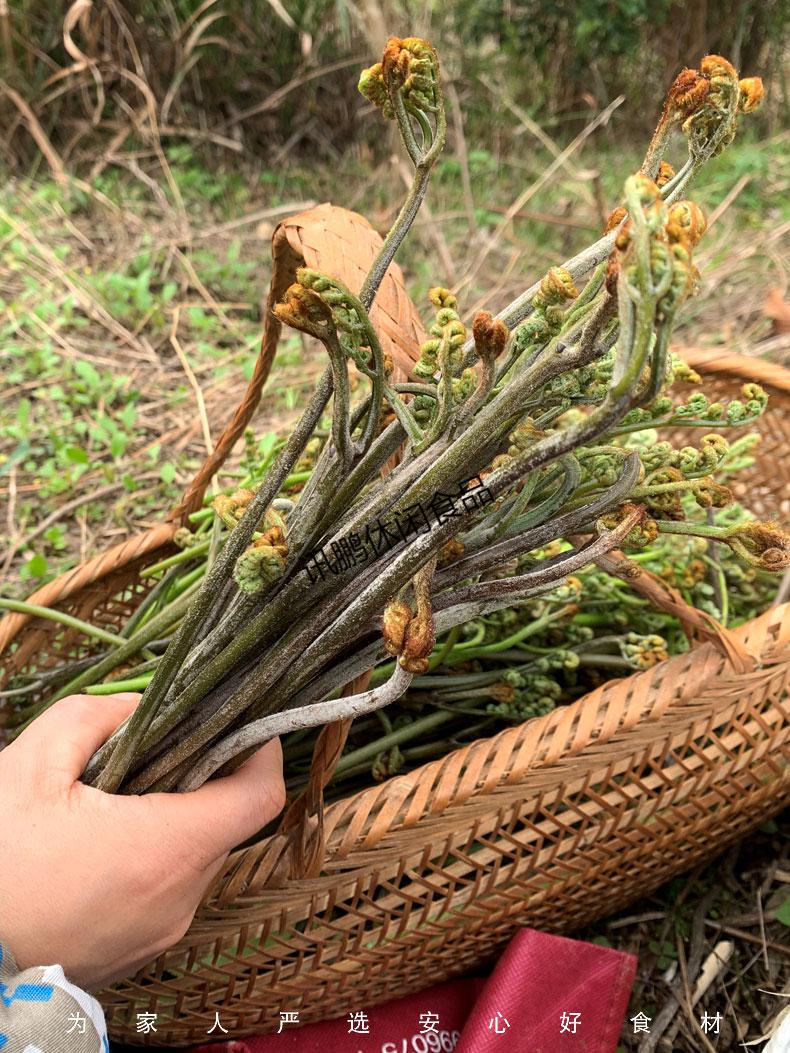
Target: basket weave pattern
552 823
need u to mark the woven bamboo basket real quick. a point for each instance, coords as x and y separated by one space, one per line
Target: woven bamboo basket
552 823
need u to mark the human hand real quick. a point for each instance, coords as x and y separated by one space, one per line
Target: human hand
100 883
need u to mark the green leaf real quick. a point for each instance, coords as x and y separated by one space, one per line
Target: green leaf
118 444
36 566
167 472
128 415
87 373
55 535
17 454
783 913
77 455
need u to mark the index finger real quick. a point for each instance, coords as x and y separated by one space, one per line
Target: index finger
65 736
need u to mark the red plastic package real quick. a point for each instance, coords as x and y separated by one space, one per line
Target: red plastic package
547 994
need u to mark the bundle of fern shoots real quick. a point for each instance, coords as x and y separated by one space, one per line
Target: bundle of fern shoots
522 465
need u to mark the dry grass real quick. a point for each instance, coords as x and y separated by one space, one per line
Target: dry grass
713 941
67 282
95 274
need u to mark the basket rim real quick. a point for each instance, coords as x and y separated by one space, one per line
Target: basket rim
717 360
364 821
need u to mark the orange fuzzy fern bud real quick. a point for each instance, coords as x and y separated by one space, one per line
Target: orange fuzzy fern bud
686 222
665 173
710 494
751 92
556 287
450 552
686 94
615 218
490 335
717 66
304 310
397 615
395 61
231 507
371 85
412 65
643 533
419 642
764 545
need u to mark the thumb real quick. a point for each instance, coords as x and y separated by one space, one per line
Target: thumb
224 812
64 738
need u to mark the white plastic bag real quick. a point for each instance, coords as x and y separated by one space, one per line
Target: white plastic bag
780 1040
